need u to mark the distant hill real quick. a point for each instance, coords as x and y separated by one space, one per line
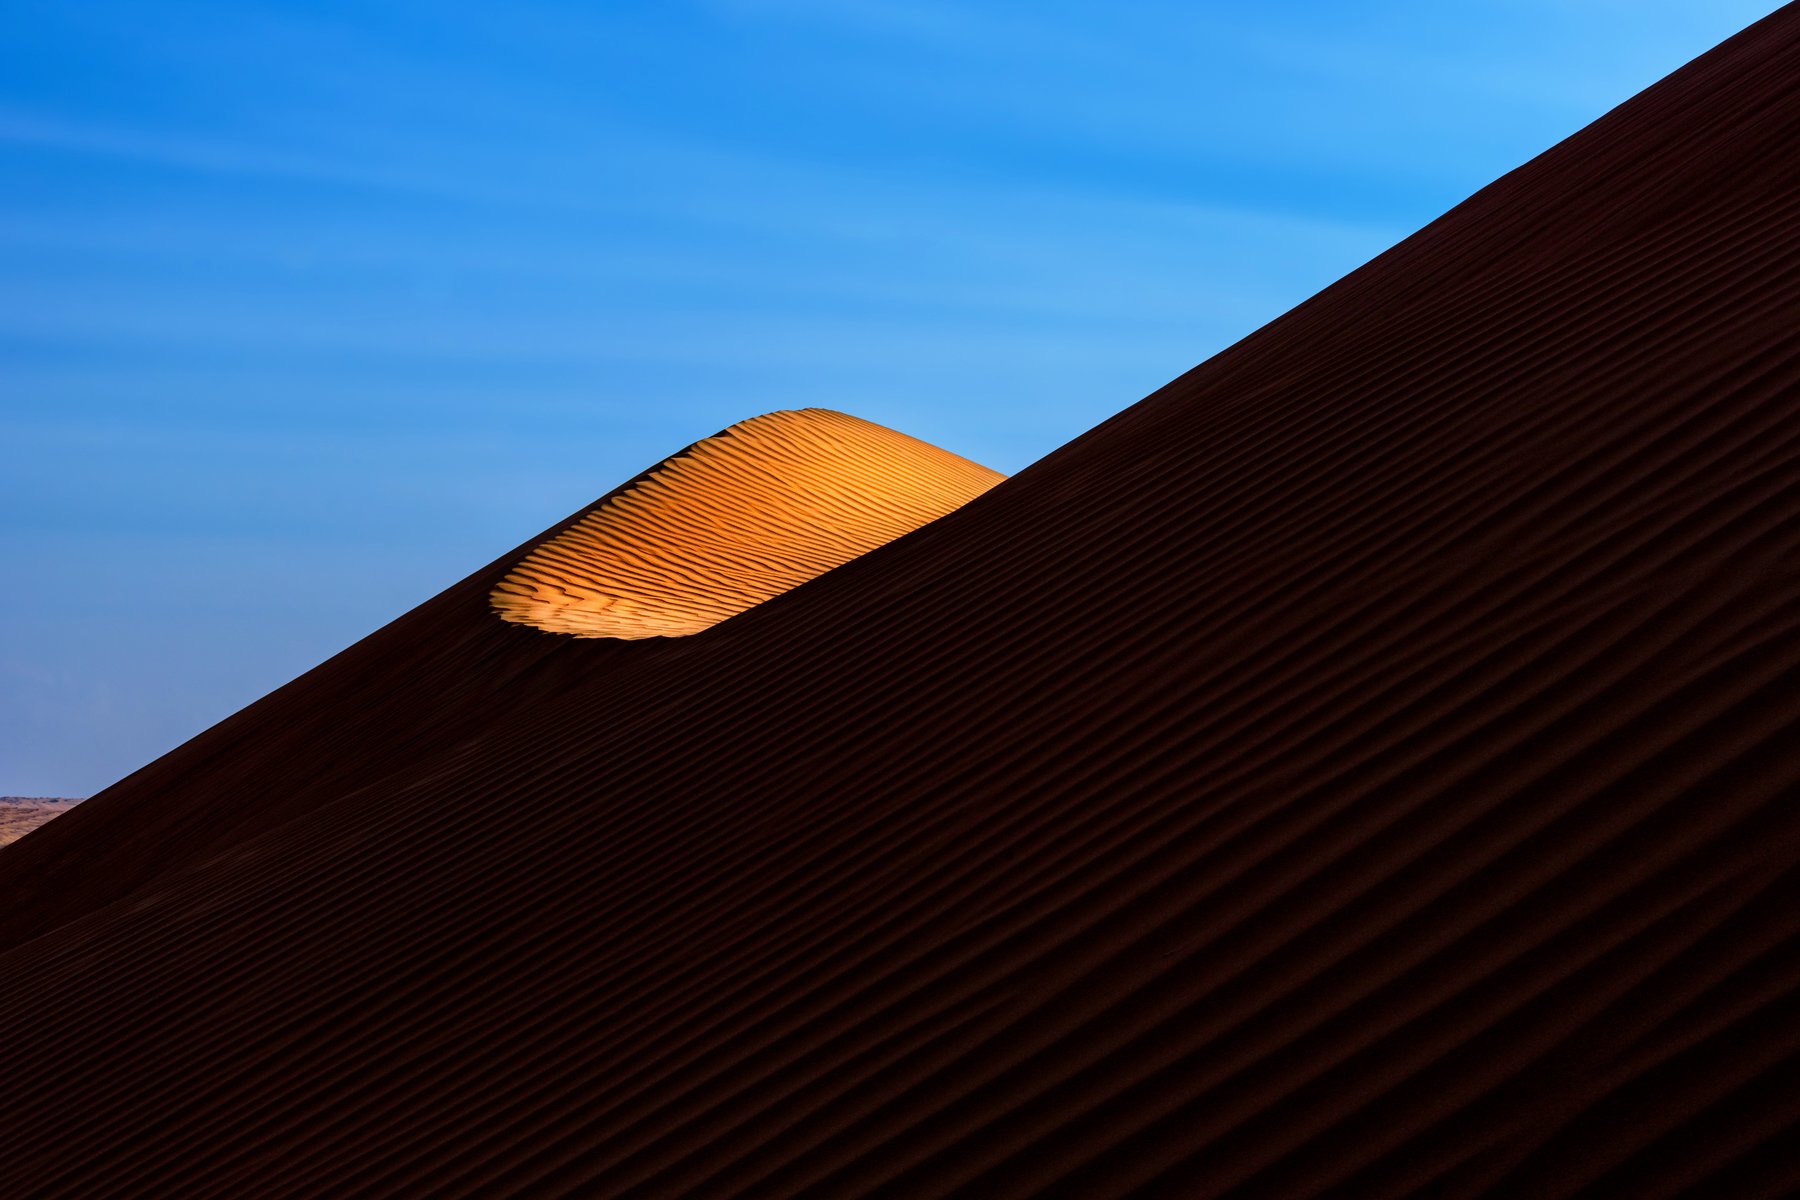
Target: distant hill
19 815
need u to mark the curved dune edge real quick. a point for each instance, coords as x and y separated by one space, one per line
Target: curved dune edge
735 520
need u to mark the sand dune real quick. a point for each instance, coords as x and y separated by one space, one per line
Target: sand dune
1366 767
734 520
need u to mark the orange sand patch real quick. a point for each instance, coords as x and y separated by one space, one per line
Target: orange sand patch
734 520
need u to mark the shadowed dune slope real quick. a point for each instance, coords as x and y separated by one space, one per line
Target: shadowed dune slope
1366 767
732 521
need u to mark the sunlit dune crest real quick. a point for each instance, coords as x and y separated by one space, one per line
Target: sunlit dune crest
734 520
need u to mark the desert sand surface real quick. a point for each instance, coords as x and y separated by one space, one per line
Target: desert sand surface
1366 767
19 815
734 520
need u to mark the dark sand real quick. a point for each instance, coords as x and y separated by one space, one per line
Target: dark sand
1366 767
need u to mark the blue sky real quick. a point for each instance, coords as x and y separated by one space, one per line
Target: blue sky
309 309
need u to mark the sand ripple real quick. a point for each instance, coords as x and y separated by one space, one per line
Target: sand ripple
735 520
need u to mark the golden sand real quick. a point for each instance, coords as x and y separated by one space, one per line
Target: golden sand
734 520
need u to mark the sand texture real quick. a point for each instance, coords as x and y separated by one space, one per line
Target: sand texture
1366 767
732 521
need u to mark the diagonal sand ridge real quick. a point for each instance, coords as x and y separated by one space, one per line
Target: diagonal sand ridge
735 520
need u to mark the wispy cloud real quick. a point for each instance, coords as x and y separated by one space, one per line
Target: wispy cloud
191 154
